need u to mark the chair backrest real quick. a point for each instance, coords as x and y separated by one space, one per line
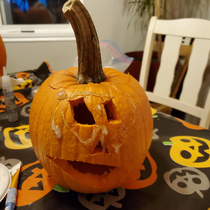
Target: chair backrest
175 30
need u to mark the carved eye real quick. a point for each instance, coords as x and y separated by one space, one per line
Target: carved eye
82 115
109 108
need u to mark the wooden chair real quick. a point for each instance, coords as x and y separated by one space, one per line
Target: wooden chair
175 30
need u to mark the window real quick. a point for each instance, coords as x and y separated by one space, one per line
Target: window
31 20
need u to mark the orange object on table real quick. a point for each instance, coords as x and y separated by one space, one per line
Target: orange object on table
3 57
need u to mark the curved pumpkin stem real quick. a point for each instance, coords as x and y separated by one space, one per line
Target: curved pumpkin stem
89 56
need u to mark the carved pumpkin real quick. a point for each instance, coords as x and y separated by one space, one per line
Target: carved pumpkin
3 57
91 128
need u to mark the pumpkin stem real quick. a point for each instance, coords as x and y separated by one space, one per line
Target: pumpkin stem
88 49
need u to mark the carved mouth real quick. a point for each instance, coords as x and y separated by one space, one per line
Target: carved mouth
91 168
83 167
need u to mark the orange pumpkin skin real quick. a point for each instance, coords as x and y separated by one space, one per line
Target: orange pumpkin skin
3 57
98 156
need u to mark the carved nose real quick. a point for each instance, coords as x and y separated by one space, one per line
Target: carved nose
99 149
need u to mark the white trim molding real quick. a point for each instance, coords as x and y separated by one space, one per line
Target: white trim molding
28 33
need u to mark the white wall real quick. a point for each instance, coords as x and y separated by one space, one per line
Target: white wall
29 55
110 23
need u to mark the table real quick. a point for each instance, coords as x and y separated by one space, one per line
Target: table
175 174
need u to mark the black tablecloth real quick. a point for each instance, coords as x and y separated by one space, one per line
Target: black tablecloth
175 174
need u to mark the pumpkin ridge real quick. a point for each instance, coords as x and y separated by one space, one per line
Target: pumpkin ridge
41 104
130 103
55 127
68 76
63 112
47 115
145 130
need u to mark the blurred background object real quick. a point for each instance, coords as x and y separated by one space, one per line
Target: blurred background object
32 12
3 57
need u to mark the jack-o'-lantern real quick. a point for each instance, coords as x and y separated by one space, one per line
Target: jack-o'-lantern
91 128
3 57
